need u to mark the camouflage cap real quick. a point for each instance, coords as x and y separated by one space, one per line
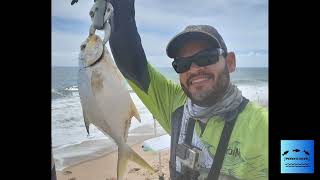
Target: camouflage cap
195 32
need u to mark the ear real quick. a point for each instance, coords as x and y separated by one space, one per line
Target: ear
231 62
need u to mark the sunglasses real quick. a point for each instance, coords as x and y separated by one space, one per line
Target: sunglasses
202 58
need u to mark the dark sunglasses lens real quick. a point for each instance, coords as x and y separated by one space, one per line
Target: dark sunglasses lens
204 58
181 66
205 61
175 66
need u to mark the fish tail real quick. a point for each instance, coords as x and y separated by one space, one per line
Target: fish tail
124 154
134 111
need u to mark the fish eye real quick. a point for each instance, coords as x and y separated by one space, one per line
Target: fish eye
82 46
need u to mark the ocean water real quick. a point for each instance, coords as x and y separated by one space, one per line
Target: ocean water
69 136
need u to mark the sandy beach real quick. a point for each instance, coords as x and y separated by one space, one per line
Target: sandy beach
105 167
102 165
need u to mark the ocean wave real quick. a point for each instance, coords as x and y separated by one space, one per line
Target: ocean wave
66 92
71 154
56 94
72 88
249 81
55 91
72 91
263 80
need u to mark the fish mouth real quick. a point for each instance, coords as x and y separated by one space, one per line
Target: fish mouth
96 62
91 51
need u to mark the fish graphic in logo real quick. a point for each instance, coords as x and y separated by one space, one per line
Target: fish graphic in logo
296 150
286 152
297 156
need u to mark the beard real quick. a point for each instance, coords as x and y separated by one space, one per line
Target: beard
213 94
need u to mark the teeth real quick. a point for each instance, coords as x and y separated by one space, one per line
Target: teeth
199 80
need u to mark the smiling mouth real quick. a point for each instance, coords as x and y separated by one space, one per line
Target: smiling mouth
199 79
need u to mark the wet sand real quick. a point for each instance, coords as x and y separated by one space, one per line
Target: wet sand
105 167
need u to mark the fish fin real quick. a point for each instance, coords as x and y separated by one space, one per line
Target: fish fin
124 154
86 122
85 96
134 112
127 126
84 112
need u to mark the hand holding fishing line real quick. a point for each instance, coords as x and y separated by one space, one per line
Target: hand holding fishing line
100 14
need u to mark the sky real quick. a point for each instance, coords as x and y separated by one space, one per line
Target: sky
243 24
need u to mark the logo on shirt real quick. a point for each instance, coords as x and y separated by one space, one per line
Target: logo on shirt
235 152
233 149
297 156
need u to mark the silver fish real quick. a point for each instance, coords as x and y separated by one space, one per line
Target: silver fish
105 99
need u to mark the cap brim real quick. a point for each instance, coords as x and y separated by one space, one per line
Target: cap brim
176 43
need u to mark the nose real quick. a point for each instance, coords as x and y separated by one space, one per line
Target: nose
194 67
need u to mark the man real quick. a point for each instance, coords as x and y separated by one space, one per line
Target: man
206 116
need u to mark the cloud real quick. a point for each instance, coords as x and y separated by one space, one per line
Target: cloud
65 48
77 12
66 42
243 24
253 58
252 53
160 61
252 61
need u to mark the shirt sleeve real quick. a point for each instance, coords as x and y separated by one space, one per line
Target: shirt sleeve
163 96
